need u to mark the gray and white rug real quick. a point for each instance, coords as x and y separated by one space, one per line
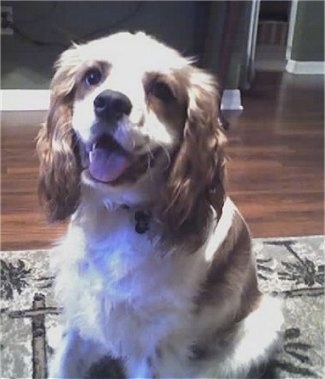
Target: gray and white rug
292 268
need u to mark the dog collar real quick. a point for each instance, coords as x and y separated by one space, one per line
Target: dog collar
142 221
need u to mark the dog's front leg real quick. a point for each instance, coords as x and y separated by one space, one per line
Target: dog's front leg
140 369
67 362
74 356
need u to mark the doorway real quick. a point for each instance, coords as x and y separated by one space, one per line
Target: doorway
272 35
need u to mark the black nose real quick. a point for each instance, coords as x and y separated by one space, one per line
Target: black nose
112 105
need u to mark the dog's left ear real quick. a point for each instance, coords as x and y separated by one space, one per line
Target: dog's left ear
59 179
197 177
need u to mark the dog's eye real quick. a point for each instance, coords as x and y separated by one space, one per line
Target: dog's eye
161 91
93 77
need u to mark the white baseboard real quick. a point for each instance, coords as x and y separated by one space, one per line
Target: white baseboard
305 68
24 100
231 100
39 100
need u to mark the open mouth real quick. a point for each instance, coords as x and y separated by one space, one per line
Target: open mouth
110 163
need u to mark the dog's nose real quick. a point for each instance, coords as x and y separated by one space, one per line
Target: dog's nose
112 105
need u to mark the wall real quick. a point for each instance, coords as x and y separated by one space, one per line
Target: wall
235 56
27 64
193 27
308 38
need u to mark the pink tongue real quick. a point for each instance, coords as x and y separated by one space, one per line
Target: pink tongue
107 166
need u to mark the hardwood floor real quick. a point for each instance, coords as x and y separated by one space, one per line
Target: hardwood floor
277 148
276 171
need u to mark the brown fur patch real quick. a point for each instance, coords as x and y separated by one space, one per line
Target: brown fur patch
232 271
59 178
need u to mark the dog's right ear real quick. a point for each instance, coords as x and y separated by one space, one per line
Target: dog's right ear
59 178
196 180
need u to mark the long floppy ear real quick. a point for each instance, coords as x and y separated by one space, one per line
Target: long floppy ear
59 178
197 178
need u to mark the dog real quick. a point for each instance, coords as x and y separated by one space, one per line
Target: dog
156 270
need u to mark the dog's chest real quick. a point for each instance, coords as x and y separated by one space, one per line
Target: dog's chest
131 294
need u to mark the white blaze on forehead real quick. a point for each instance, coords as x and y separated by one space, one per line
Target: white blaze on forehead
138 52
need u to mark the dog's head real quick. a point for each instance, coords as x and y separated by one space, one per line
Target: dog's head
135 121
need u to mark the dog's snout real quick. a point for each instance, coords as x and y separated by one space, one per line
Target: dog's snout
112 105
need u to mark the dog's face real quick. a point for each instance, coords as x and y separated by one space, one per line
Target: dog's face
129 110
129 117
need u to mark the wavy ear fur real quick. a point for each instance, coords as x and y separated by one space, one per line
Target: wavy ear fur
197 178
59 179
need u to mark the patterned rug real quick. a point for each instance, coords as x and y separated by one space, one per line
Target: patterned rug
292 268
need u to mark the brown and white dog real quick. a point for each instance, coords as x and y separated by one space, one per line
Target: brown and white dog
156 270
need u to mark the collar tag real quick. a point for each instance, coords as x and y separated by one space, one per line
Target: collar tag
142 221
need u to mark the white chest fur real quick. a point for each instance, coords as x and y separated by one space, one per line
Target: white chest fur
118 288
